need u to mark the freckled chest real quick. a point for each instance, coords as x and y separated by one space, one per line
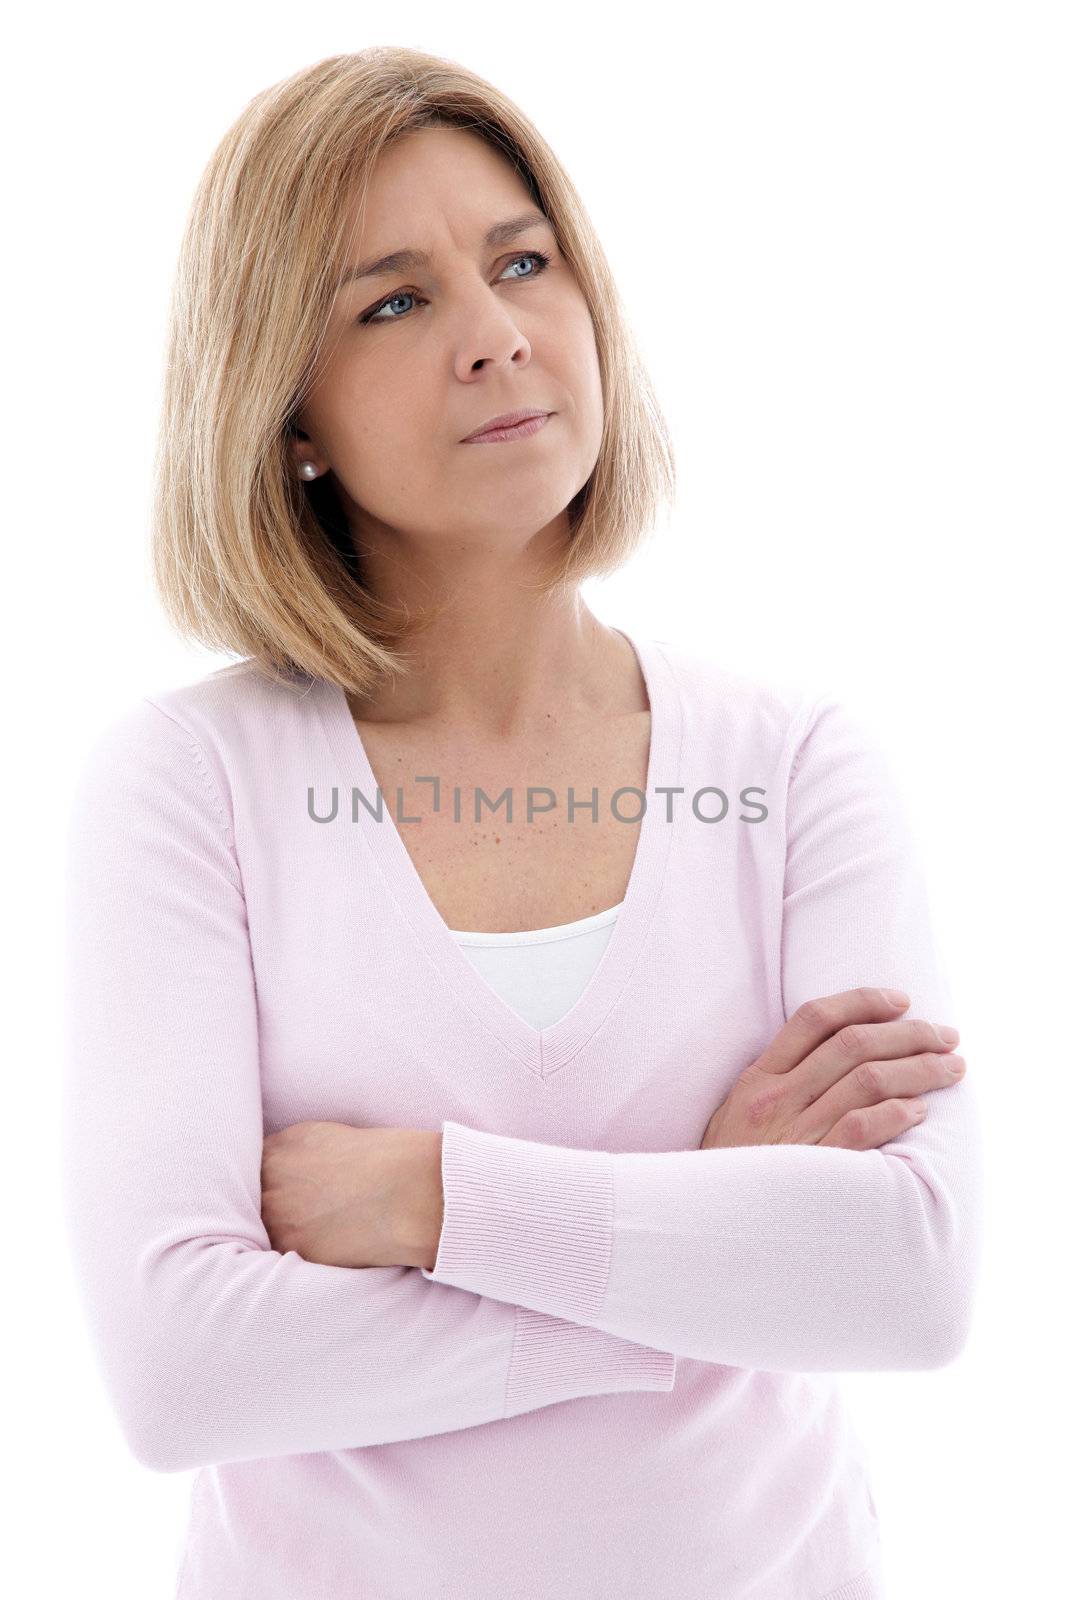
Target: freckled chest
493 875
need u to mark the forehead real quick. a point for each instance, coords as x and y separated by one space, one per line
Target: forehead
444 160
435 179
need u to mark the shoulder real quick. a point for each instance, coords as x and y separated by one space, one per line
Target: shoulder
209 705
207 731
234 701
791 729
739 704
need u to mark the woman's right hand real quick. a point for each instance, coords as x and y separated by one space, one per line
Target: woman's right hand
841 1072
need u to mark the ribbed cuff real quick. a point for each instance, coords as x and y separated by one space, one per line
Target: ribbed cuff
868 1586
530 1224
554 1360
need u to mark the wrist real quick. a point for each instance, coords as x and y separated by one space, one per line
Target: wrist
424 1201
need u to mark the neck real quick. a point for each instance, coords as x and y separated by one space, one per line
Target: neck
499 671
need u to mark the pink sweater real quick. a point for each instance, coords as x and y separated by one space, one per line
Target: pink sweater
619 1381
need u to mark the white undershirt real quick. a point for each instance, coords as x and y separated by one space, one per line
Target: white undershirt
542 972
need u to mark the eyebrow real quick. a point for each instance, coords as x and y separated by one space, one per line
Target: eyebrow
405 260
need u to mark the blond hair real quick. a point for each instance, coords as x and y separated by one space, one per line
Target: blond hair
248 559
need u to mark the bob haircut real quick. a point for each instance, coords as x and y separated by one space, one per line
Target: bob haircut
247 558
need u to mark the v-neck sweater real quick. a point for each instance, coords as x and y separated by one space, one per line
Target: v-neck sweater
620 1377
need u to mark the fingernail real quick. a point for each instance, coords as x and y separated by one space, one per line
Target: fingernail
948 1035
955 1066
896 997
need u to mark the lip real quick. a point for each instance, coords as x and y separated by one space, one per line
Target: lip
509 425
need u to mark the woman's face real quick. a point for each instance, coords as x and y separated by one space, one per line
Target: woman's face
417 357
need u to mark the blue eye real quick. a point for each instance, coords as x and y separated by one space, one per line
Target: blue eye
374 312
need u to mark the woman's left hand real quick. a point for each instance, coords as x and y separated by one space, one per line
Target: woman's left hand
348 1197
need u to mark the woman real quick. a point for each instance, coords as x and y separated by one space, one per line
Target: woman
633 1098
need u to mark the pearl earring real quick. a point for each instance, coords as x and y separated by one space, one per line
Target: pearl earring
308 470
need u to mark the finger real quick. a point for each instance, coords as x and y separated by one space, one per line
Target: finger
819 1019
868 1127
873 1083
859 1043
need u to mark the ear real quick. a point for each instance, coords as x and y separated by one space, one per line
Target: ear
303 458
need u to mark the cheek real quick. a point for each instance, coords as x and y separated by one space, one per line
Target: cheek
577 363
592 394
582 380
391 452
383 423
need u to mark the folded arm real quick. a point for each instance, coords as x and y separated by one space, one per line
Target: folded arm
780 1257
212 1346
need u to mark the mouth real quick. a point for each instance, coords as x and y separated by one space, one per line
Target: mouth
511 425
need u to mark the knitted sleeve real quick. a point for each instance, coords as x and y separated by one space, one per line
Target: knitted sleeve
788 1257
211 1345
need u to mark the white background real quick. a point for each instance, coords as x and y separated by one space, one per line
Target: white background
839 233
